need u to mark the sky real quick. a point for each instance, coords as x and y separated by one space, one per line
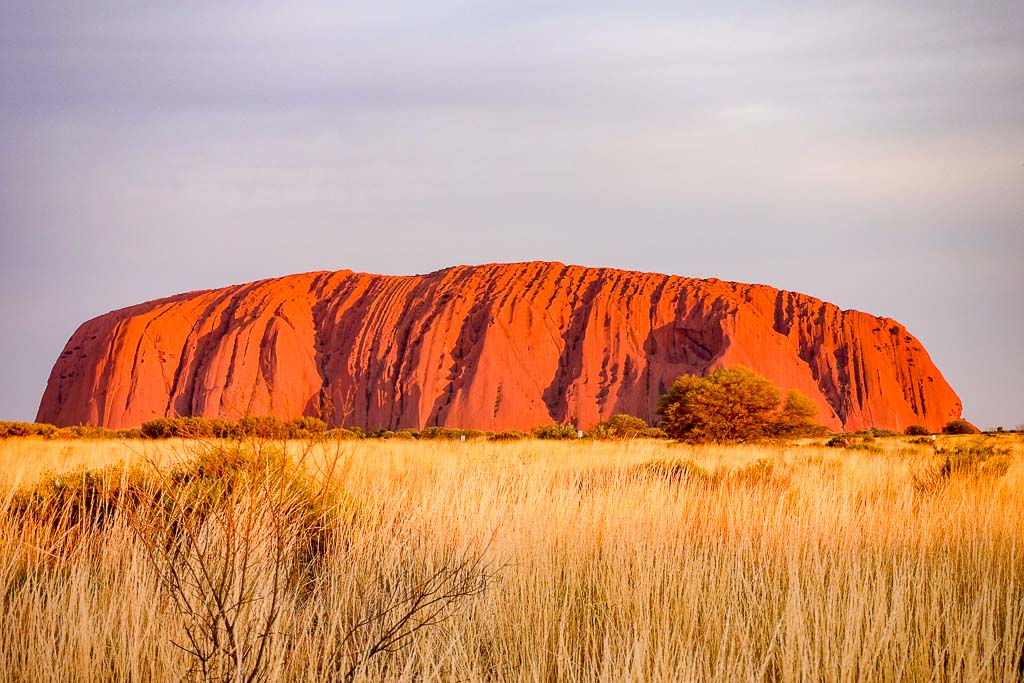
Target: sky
867 153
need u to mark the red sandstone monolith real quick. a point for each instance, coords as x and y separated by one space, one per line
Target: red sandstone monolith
485 347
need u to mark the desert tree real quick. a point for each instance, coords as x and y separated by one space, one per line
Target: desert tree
732 405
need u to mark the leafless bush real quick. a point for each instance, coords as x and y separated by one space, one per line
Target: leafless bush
239 536
232 539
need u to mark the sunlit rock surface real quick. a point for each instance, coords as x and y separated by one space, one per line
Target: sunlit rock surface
484 347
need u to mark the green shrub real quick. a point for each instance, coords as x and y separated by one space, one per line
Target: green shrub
84 499
555 432
264 427
960 427
189 428
507 435
85 432
619 426
916 430
449 434
48 431
80 499
160 428
306 428
796 418
341 434
15 429
837 441
232 463
45 430
9 429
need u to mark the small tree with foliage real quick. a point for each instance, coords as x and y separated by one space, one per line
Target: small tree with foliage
619 426
797 417
732 404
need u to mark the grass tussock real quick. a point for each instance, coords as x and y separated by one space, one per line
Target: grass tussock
519 560
762 472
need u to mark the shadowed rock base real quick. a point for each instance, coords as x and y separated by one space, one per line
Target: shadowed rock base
484 347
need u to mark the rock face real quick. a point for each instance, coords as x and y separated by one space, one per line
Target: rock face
486 347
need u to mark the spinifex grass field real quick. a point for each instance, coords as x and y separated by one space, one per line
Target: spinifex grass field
531 561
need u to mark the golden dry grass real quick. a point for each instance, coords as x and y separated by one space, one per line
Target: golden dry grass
768 563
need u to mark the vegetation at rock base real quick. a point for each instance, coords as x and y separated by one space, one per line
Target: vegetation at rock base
555 432
304 428
792 418
48 431
734 405
508 435
623 426
960 427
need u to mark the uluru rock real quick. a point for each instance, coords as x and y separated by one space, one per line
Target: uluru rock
485 347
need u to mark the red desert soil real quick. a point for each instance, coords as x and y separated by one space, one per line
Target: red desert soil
484 347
